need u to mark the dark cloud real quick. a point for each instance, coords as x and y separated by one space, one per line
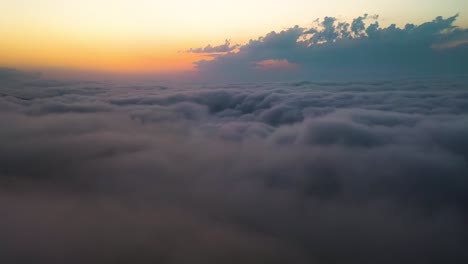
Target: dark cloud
13 76
291 172
362 49
223 48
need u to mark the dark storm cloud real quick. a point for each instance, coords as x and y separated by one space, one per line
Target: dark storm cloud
226 47
299 172
358 50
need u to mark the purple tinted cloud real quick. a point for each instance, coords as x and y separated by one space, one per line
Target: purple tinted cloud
288 172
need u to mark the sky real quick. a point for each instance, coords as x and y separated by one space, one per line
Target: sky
150 36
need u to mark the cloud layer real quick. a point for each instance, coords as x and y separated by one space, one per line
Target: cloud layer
296 172
334 49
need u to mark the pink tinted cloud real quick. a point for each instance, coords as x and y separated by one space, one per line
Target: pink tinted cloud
272 64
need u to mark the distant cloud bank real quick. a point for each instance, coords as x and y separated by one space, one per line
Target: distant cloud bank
333 49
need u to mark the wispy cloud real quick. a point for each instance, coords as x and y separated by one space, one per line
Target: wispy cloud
223 48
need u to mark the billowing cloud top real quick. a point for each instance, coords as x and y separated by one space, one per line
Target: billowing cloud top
288 172
358 50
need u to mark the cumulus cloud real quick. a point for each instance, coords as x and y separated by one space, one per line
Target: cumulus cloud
287 172
361 49
223 48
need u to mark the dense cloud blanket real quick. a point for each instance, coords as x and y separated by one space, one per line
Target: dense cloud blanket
293 172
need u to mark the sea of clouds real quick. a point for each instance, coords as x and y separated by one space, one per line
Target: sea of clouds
287 172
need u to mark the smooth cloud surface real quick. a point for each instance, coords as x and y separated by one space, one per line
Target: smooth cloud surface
297 172
333 50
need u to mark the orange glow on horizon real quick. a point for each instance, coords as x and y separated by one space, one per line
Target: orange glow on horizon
41 48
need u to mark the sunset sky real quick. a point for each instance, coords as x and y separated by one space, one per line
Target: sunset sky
151 36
